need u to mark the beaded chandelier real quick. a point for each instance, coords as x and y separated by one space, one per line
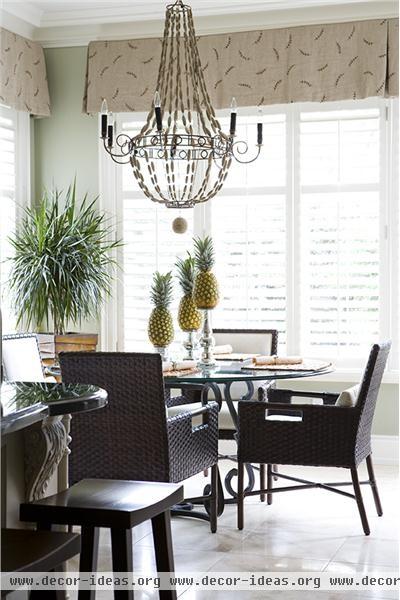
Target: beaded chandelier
181 157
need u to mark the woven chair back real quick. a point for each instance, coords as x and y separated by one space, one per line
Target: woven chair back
128 438
368 395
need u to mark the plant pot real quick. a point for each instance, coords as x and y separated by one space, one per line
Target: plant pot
75 342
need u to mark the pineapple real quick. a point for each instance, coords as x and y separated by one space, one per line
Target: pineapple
161 329
189 317
205 291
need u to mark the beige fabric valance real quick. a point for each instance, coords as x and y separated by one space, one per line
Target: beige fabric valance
314 63
23 80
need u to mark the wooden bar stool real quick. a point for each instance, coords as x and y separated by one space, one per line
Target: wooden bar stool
37 551
118 505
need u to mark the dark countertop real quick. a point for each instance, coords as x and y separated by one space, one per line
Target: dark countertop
23 404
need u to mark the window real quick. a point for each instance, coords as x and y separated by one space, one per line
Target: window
305 236
14 174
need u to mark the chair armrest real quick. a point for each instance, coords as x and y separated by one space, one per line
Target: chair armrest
183 386
187 415
285 396
190 393
316 408
323 435
193 448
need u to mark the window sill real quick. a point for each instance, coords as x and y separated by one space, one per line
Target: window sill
353 376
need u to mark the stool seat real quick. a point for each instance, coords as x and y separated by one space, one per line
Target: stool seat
104 503
37 551
118 505
26 550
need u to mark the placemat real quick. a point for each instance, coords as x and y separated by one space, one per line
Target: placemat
238 356
181 372
308 364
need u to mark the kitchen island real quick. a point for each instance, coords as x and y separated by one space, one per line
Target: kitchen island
35 420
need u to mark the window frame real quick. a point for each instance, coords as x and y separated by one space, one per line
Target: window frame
110 184
22 184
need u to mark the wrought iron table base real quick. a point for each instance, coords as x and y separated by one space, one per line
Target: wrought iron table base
186 508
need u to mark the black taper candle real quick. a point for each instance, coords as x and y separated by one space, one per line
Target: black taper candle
259 134
103 126
158 118
110 136
104 119
232 128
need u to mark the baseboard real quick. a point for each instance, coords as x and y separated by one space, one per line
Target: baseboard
385 449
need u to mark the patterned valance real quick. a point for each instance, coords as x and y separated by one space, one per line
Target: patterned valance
23 80
315 63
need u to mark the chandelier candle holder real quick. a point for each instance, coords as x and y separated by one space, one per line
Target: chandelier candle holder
181 157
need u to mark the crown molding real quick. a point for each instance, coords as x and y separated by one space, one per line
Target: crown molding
25 11
304 14
17 25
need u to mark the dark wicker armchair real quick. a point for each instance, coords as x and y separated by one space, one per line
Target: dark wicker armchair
314 435
132 438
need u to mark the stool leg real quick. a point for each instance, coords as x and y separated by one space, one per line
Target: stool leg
122 558
162 537
88 557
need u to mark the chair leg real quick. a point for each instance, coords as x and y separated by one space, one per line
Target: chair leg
359 499
262 482
240 495
214 498
269 483
122 559
88 557
161 525
374 487
275 467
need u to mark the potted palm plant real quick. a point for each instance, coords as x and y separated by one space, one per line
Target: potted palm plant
61 267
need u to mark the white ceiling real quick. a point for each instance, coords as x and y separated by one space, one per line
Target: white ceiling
57 13
60 23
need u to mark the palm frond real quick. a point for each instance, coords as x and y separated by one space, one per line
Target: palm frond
61 268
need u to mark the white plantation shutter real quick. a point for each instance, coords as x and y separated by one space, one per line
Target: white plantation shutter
249 236
14 127
305 237
339 225
248 224
149 245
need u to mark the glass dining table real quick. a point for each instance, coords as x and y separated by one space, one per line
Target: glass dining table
220 380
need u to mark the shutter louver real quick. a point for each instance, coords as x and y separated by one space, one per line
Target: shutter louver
8 209
339 233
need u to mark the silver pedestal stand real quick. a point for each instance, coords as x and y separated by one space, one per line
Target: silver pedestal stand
162 351
207 342
190 345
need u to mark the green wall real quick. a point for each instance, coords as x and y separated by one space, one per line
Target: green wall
67 144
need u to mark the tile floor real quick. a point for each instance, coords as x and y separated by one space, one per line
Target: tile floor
310 530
